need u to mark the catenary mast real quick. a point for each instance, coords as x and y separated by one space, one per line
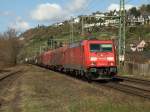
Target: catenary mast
122 35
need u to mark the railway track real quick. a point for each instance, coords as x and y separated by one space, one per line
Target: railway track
8 74
4 71
137 87
132 86
7 79
134 80
129 89
125 85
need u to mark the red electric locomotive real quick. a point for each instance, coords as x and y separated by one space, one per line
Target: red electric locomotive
95 59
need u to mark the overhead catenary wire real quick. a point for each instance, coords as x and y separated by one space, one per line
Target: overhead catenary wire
129 1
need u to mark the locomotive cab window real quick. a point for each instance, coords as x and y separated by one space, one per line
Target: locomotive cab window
100 47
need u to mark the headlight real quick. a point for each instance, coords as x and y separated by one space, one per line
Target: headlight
111 64
93 58
110 58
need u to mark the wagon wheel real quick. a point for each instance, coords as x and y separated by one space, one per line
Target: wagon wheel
76 74
82 74
89 77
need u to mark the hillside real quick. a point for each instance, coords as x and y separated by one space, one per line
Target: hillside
43 37
37 38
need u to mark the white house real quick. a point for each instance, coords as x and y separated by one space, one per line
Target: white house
58 24
138 47
133 47
88 25
110 22
141 45
99 15
76 20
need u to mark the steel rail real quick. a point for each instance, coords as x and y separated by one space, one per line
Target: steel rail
129 89
135 80
4 76
132 90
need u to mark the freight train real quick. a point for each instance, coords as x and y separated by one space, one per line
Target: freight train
91 59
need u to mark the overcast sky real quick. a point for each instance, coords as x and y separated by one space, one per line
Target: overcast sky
25 14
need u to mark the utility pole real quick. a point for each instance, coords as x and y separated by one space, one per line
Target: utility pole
122 35
82 20
71 30
40 47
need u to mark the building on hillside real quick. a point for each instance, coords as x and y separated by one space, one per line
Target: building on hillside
99 15
133 47
140 20
149 19
111 22
21 38
139 46
58 24
89 25
76 20
146 18
133 21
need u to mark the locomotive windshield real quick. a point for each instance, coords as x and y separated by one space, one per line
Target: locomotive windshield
100 47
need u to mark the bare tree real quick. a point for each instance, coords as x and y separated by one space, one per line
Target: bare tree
9 47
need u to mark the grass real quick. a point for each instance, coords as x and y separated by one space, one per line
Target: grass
93 105
46 91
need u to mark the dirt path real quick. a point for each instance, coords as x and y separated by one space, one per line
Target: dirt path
41 90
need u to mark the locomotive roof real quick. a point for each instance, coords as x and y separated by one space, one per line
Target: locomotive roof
78 43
